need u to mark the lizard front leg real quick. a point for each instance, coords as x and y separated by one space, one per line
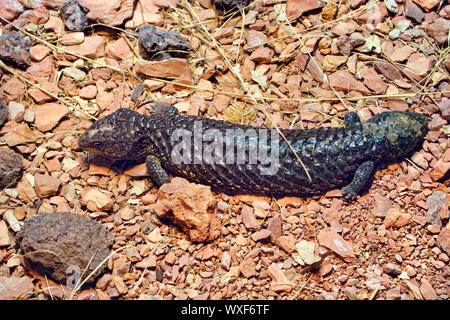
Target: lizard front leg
362 176
156 171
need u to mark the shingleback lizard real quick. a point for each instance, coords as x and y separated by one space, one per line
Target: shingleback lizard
334 157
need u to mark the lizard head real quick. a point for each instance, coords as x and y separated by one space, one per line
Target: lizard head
404 131
112 136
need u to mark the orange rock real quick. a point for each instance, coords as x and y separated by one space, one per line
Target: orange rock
296 8
39 52
111 13
344 80
427 5
72 38
54 24
331 240
46 186
10 9
48 115
40 96
4 234
279 280
95 200
188 205
92 47
119 50
175 68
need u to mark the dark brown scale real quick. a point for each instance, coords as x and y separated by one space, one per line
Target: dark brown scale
344 157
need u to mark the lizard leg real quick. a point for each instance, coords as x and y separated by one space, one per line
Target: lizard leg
351 119
362 176
156 171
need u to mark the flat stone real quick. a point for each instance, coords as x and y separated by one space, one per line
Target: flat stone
14 288
176 68
92 47
437 204
10 9
444 240
373 80
72 38
261 235
413 11
331 240
427 5
109 12
248 218
46 186
48 115
427 290
344 80
119 50
39 52
296 8
438 30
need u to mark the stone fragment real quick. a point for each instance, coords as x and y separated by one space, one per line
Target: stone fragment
73 16
401 53
261 235
279 280
119 50
438 30
427 5
10 168
146 13
46 186
112 13
413 11
15 288
307 251
262 55
92 47
392 269
373 80
48 115
396 218
391 5
39 52
188 205
54 24
64 246
418 64
95 200
440 170
161 44
444 240
249 219
4 234
334 242
72 38
437 204
296 8
427 290
248 268
444 107
344 80
40 96
175 68
332 63
15 48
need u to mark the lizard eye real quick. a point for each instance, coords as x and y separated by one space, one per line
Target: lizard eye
97 144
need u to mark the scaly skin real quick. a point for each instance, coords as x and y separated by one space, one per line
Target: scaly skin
344 157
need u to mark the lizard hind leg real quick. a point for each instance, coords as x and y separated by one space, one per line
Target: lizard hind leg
156 171
361 178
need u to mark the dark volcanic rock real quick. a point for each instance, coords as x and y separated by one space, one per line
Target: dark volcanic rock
15 48
73 16
10 168
59 244
161 45
229 5
4 113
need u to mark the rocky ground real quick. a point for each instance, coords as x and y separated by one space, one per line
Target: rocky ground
285 63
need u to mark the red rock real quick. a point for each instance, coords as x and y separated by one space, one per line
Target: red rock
440 170
39 15
247 268
39 52
88 92
374 15
427 290
188 205
373 80
438 30
13 89
436 122
279 280
261 235
296 8
119 50
382 206
444 240
334 242
444 107
437 204
4 234
275 227
396 218
54 24
173 68
10 9
249 219
111 13
95 200
72 38
262 55
255 39
46 186
92 47
413 11
344 80
48 115
401 53
40 96
287 243
41 71
145 12
418 64
427 4
388 70
14 288
392 269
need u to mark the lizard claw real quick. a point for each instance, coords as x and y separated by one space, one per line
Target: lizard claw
349 193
